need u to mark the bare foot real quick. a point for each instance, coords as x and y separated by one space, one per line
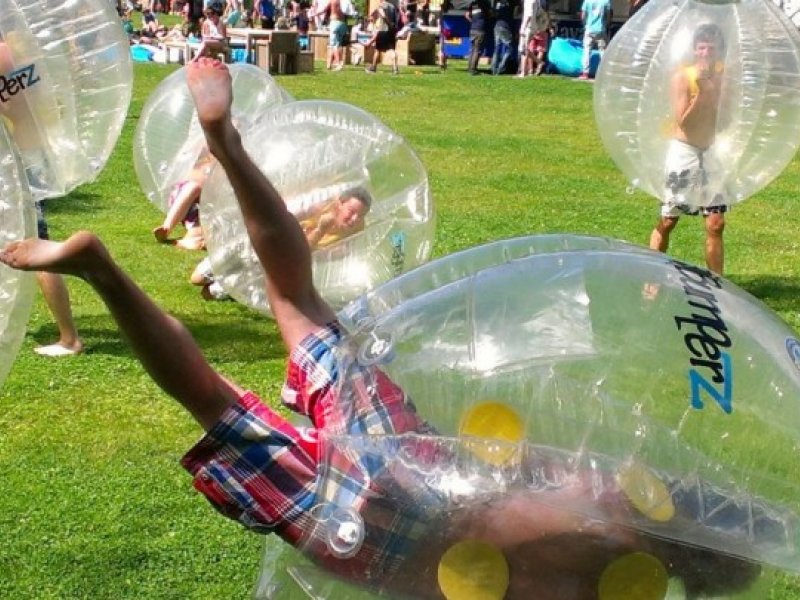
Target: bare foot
209 83
60 349
76 256
161 234
191 242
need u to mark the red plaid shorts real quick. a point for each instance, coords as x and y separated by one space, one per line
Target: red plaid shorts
260 470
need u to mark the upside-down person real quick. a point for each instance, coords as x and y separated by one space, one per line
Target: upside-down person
257 468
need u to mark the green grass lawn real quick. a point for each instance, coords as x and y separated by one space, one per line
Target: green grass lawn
92 501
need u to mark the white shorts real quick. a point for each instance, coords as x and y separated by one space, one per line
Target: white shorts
694 182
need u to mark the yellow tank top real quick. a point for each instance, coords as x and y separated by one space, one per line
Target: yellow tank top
691 77
326 240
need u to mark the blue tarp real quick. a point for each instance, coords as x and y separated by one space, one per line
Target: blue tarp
566 55
141 54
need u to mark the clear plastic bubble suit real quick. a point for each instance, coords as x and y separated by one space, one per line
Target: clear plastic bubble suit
17 222
168 138
758 123
312 151
606 419
791 8
65 90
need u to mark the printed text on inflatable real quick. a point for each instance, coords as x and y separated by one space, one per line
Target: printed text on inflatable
705 335
17 81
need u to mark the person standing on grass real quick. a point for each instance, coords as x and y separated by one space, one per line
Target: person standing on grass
534 38
693 176
503 35
478 14
444 33
21 123
596 18
386 22
337 27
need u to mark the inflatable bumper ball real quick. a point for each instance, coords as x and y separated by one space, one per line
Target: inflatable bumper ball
732 69
535 426
169 142
320 154
66 85
18 221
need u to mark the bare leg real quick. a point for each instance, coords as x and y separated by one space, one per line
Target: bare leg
276 235
539 63
186 196
56 296
162 344
715 249
659 238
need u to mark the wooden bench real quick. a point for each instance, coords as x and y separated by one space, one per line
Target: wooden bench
174 51
278 54
249 36
419 48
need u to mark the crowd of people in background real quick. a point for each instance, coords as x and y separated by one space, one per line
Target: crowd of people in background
520 31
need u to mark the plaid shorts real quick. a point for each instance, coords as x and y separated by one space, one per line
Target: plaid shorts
378 407
258 469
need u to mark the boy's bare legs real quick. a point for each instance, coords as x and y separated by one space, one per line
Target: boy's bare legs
276 235
56 296
161 342
715 248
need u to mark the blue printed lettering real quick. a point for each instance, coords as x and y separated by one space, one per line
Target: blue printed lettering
699 384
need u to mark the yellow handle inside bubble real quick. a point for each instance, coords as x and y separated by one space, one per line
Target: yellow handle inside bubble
492 421
637 576
646 492
473 570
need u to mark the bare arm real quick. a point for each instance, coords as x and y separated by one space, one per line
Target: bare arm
693 111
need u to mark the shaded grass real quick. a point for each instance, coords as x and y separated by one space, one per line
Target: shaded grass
93 504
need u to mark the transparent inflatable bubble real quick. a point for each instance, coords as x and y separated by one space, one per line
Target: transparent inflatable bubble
168 140
317 154
721 156
791 8
17 222
65 90
597 418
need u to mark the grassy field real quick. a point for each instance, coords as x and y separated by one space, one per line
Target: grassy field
92 501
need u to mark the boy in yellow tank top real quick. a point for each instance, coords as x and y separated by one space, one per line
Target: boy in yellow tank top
694 183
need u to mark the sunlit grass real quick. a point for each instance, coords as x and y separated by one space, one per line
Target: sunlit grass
93 502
